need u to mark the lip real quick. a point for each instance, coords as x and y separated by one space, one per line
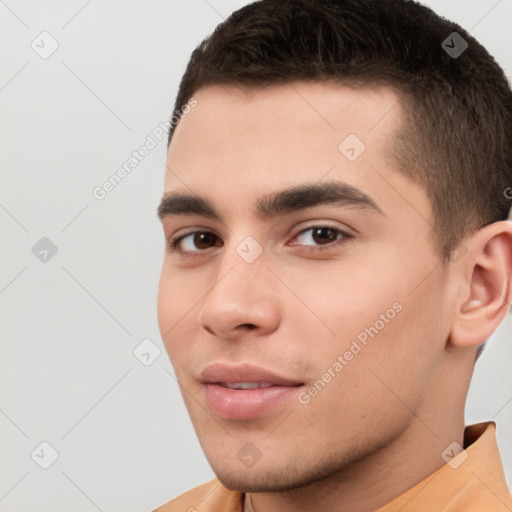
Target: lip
220 372
244 404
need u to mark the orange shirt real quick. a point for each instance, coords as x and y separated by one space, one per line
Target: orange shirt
473 481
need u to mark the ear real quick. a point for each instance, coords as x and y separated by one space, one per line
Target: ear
485 284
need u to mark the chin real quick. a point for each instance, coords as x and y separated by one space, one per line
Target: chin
275 477
279 474
274 481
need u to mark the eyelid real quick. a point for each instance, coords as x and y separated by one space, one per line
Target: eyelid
344 229
177 238
333 245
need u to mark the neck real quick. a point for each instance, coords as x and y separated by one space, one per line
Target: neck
379 478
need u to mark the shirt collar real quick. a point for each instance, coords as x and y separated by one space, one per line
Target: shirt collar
473 480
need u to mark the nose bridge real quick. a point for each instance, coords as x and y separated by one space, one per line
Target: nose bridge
242 293
242 263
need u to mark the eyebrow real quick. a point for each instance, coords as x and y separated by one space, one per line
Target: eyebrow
271 205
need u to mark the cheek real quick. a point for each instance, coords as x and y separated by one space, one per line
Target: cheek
165 304
373 378
371 318
339 301
175 305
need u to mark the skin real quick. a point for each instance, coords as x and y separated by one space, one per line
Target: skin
381 424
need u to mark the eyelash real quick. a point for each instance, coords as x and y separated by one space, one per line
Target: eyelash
173 244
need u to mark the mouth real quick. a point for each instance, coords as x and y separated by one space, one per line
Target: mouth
244 392
245 385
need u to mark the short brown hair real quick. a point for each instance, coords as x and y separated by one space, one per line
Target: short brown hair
456 138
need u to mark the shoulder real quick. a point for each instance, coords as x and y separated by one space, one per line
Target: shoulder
205 497
188 500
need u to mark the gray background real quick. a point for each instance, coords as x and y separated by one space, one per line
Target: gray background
70 323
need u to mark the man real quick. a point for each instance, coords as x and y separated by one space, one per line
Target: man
338 251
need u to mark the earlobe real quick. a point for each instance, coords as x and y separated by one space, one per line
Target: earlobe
485 283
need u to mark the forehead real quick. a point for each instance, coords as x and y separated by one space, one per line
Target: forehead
316 109
241 143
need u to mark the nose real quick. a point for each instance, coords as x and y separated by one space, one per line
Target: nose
243 299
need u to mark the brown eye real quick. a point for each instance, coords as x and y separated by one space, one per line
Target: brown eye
320 236
324 234
203 240
194 242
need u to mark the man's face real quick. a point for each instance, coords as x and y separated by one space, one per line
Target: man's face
344 302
